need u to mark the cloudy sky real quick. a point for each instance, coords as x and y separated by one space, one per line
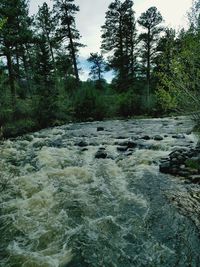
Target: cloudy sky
92 16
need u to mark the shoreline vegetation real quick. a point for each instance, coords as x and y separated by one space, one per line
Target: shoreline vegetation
156 70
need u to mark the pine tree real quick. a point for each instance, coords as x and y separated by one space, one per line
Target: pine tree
13 37
118 38
65 10
46 91
166 48
194 15
150 21
46 25
98 66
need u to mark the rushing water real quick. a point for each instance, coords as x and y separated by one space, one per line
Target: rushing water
60 206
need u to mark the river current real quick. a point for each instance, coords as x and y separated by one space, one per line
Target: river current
62 207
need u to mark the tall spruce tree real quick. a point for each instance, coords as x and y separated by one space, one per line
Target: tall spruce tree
194 15
166 48
65 10
13 37
46 91
46 25
150 22
98 66
118 39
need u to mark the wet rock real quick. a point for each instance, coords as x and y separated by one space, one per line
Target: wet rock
128 144
194 179
165 167
183 173
102 148
146 137
182 167
164 159
189 132
178 136
81 143
121 137
174 161
158 138
192 171
182 162
180 159
122 148
99 129
93 144
84 149
110 157
100 154
128 153
174 170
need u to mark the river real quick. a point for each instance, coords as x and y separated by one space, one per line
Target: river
62 207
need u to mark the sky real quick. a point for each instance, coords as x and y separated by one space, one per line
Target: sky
92 16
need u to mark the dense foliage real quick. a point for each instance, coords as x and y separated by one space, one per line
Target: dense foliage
156 70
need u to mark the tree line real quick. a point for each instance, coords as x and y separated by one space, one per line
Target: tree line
155 69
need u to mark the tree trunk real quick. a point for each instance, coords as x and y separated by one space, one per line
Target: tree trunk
10 73
17 61
26 69
73 53
148 69
51 51
132 56
121 71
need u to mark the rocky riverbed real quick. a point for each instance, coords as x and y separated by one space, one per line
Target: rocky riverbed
183 162
114 193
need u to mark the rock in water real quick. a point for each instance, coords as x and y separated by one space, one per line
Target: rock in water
100 154
165 167
82 144
100 129
122 148
158 138
146 137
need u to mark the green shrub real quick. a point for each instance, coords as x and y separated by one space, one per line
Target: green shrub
15 128
88 103
128 104
193 163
